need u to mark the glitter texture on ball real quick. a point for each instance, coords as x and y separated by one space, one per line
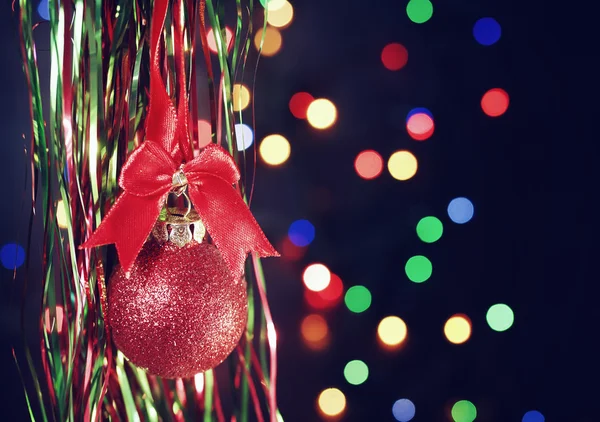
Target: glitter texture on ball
180 312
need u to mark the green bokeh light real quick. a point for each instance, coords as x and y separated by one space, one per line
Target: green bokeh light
464 411
419 11
500 317
356 372
418 269
358 299
430 229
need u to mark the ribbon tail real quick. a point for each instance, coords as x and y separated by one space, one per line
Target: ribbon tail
230 223
127 225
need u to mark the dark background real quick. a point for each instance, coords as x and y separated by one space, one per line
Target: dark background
530 174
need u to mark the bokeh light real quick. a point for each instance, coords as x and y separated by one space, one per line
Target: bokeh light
487 31
274 150
419 11
291 252
500 317
368 164
212 43
332 402
430 229
299 104
403 410
204 133
418 110
244 137
394 56
272 41
464 411
327 298
460 210
420 126
281 16
54 322
418 269
392 331
315 331
61 214
458 329
358 299
12 256
272 5
316 277
321 113
43 10
533 416
240 97
402 165
301 232
356 372
495 102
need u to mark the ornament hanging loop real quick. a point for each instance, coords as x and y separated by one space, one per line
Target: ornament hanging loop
179 187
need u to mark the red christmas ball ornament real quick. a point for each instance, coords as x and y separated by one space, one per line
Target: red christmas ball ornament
180 311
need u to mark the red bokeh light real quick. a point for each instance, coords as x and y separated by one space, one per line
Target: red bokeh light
368 164
291 252
204 133
56 322
299 104
420 126
327 298
212 43
394 56
495 102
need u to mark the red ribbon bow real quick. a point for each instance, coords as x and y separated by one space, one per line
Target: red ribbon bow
150 173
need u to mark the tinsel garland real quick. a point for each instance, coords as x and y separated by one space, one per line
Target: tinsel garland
99 80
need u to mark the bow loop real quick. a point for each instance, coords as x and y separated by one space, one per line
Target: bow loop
148 171
214 160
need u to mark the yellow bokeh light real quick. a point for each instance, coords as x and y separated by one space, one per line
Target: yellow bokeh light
274 150
332 402
281 17
458 329
61 214
241 97
273 5
321 113
316 277
392 331
272 41
402 165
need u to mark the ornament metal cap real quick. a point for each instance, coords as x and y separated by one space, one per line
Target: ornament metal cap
179 226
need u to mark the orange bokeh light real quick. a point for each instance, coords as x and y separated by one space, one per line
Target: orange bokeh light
315 331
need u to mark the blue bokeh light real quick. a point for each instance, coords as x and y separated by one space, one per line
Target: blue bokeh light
487 31
403 410
301 233
244 136
43 10
460 210
533 416
12 256
418 110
